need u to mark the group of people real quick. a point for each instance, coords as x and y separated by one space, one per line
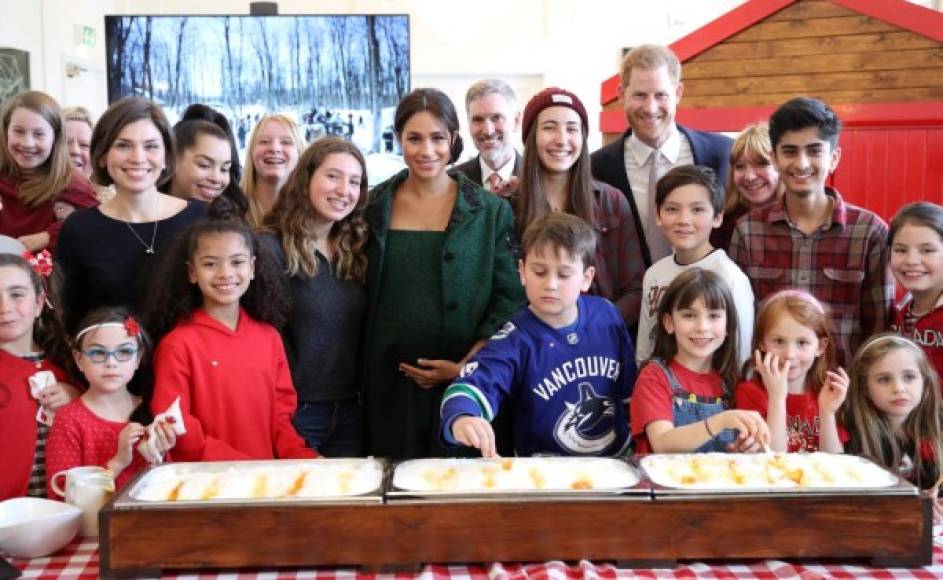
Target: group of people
675 291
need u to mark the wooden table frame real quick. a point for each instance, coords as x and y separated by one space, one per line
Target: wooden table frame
883 530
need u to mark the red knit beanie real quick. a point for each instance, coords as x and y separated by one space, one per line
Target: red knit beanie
552 97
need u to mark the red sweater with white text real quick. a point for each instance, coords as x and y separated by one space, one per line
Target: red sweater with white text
927 331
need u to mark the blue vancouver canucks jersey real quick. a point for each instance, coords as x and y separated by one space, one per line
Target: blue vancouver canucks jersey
568 388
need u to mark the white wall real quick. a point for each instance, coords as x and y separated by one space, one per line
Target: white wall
530 43
575 44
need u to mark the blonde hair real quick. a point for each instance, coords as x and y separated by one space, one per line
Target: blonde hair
80 114
753 144
808 312
256 215
650 57
870 428
293 217
55 172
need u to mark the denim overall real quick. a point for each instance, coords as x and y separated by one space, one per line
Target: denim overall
688 408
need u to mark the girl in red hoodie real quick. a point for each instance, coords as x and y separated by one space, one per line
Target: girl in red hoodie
222 355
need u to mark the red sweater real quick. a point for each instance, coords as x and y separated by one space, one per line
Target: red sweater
235 390
16 219
802 415
927 331
80 437
18 422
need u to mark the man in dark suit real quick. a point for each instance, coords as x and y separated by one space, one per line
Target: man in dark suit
493 119
650 91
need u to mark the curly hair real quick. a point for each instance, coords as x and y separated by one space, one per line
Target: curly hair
293 217
142 384
266 299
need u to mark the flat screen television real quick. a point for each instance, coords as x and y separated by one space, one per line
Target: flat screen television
334 74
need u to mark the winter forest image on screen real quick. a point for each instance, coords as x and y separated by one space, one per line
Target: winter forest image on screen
335 75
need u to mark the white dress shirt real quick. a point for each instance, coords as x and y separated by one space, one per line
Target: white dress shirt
674 152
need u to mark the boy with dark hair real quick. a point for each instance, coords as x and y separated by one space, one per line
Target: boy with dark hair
812 239
565 363
689 204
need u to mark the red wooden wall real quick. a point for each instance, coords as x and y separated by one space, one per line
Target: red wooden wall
884 168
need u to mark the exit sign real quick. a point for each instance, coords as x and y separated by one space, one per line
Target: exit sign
88 36
85 36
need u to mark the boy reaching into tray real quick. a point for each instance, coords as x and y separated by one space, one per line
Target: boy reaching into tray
565 363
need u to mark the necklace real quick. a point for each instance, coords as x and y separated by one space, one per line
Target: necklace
148 248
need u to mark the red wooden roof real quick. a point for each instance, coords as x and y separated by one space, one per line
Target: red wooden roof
901 13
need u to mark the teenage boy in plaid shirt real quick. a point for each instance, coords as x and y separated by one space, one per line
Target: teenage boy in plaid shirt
811 238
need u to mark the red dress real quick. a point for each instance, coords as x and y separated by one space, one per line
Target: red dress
80 437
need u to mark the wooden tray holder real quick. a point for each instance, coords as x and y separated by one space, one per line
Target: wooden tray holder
882 530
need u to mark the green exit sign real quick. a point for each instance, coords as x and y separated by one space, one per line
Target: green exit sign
88 36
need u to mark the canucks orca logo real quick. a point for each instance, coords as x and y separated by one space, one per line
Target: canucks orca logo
586 426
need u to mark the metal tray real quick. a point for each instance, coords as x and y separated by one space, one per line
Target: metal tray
624 480
892 484
129 498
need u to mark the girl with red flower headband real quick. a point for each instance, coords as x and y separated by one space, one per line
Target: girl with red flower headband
34 384
894 412
106 424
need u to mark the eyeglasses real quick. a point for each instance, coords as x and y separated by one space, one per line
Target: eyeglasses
121 354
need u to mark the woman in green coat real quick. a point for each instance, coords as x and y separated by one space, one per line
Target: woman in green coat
441 280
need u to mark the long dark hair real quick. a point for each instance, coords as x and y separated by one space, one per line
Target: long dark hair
266 300
200 119
683 291
142 384
439 106
531 200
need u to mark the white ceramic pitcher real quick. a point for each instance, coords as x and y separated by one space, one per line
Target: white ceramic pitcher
88 488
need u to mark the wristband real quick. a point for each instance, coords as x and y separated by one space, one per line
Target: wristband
708 428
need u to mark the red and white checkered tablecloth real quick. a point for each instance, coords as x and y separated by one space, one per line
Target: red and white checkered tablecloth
80 560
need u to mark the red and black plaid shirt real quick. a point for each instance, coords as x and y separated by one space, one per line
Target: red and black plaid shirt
618 260
844 264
